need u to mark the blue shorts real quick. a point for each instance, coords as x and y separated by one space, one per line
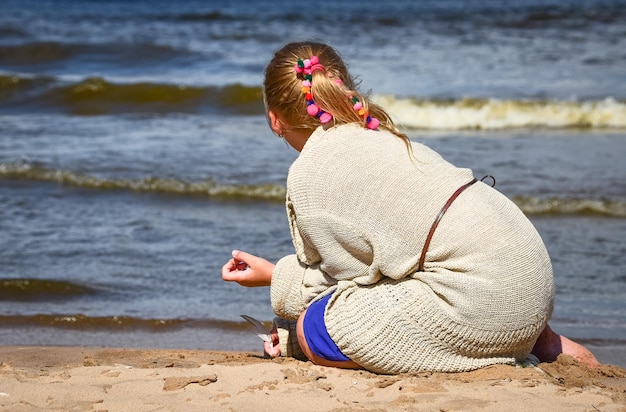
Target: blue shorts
317 336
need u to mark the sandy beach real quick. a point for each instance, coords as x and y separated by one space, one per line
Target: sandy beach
106 379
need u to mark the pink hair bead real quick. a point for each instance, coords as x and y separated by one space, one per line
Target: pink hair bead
307 67
312 109
325 118
373 124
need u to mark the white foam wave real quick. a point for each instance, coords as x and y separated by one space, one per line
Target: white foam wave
503 114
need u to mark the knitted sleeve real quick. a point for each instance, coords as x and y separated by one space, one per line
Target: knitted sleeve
295 285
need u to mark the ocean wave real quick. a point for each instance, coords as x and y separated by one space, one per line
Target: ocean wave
115 323
129 54
14 87
208 188
30 290
210 16
97 96
34 53
442 18
276 193
494 114
130 324
569 206
562 16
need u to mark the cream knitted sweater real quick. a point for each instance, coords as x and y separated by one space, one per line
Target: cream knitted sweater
360 210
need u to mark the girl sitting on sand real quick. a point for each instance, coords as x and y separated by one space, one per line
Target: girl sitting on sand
403 261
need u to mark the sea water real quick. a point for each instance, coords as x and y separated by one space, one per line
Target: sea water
135 153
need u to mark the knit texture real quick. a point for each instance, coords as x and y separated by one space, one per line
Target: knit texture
288 338
360 209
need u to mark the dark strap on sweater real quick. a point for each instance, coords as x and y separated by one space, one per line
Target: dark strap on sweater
442 212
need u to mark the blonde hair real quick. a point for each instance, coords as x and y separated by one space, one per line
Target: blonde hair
282 90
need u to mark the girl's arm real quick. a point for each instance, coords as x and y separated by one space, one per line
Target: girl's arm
248 270
294 285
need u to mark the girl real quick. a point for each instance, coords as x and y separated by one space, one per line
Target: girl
403 261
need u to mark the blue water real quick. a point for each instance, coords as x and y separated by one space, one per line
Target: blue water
135 154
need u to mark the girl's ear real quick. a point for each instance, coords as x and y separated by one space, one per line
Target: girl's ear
275 123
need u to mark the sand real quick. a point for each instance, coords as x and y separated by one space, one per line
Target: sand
105 379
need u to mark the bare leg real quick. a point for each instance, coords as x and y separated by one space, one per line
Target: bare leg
550 345
313 357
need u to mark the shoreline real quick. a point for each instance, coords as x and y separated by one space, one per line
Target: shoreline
116 379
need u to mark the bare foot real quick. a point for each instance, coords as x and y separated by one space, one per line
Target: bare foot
550 345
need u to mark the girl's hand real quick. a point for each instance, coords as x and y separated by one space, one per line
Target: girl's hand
272 349
248 270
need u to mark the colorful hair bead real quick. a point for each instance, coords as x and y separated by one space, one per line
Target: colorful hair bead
306 68
312 109
370 122
325 117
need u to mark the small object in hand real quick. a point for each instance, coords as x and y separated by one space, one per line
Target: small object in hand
260 330
240 265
